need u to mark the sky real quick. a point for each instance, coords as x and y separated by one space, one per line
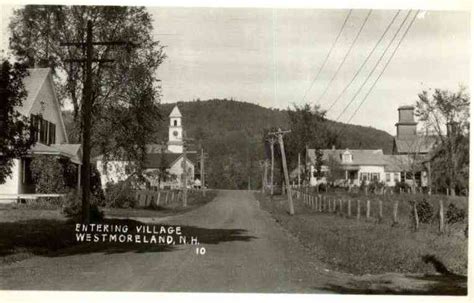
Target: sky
270 57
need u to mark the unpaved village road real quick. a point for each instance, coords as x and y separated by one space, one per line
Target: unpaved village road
260 258
246 251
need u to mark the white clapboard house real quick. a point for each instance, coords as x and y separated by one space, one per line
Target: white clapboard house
43 108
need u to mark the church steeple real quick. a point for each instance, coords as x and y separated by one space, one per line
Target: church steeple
175 134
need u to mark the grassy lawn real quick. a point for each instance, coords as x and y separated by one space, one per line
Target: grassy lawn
370 247
27 230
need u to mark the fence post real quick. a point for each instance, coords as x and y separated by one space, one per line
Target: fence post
415 216
380 210
395 212
441 216
340 207
320 203
367 214
158 198
358 209
349 208
167 197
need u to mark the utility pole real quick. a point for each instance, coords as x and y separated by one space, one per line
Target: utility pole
299 174
185 169
203 188
271 140
185 178
86 110
279 135
264 177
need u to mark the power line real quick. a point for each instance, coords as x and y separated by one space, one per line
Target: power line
383 70
375 66
345 57
328 55
365 61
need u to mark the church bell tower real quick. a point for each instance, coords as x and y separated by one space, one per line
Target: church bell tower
175 134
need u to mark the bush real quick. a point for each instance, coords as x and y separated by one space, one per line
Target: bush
120 195
401 186
72 207
455 214
424 210
49 174
375 186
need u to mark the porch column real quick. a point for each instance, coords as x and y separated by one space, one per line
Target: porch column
347 174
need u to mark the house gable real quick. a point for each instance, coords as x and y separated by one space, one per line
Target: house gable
42 100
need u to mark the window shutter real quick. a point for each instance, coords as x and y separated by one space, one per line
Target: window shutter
53 133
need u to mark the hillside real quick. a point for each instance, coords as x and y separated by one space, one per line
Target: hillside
231 133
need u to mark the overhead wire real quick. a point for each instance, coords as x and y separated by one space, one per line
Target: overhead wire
365 61
383 70
345 57
375 66
328 55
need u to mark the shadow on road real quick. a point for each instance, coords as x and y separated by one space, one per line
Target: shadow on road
438 285
58 238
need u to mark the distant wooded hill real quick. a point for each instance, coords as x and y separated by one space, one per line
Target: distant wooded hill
231 133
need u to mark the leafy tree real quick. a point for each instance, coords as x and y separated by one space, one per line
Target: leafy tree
445 115
125 93
308 130
15 139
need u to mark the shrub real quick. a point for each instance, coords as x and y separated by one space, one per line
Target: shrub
375 186
424 210
401 186
72 207
119 195
49 174
455 214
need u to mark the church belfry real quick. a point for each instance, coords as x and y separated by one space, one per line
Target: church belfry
175 134
406 126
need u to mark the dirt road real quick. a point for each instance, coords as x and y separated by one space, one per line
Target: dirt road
246 251
251 254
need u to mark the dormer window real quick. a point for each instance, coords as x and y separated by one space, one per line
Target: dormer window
347 157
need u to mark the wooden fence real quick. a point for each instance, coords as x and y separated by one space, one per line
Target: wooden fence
147 198
370 208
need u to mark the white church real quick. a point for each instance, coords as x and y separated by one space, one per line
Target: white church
164 166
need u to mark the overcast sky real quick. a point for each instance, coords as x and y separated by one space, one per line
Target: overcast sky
271 56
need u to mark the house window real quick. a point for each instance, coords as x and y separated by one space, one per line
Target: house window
374 177
364 176
43 131
396 177
387 177
175 122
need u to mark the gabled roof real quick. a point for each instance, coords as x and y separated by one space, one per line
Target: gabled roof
399 163
33 83
175 113
157 160
359 156
415 145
